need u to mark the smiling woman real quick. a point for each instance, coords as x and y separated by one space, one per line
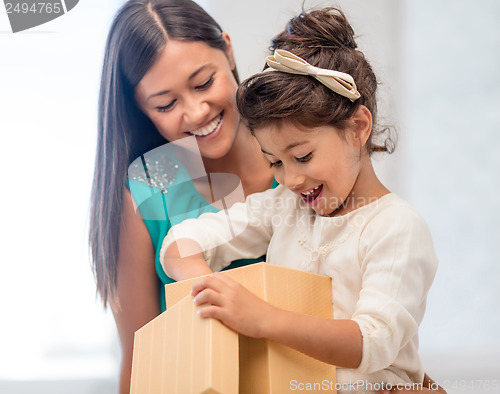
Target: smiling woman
190 91
168 74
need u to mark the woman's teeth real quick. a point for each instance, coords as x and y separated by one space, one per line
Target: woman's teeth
209 128
310 191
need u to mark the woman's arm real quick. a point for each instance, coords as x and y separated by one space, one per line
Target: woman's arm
337 342
136 301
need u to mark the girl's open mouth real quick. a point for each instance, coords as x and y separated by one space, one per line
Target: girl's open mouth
312 194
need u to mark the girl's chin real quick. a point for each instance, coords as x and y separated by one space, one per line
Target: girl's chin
324 209
324 212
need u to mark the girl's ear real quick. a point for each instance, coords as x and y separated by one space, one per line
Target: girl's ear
362 120
229 50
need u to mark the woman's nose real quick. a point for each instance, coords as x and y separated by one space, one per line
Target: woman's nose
196 112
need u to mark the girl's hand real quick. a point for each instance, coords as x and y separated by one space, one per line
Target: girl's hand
421 391
429 386
232 304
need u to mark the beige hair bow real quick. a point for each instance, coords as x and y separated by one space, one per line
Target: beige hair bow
337 81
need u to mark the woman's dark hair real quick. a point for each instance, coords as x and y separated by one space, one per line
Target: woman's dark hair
325 39
138 34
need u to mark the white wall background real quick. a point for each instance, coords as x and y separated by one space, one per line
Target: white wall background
452 122
52 326
438 63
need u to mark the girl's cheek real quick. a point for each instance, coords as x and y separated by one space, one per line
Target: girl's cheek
278 176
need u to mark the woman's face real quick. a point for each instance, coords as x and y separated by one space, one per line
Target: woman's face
190 90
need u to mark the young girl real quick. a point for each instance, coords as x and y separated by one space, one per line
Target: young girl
312 112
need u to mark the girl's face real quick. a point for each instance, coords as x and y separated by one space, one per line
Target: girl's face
190 90
317 164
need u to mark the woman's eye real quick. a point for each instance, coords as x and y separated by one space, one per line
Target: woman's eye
305 158
275 164
206 85
167 107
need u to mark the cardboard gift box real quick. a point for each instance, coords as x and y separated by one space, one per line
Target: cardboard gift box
178 352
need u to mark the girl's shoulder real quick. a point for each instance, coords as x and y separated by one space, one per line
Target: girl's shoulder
394 216
396 232
391 205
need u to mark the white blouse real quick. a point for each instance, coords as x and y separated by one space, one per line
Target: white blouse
380 257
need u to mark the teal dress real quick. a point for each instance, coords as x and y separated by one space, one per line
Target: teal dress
165 196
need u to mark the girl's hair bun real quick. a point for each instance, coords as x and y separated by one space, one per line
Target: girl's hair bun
327 27
325 39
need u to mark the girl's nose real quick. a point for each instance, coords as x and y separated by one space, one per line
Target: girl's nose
293 179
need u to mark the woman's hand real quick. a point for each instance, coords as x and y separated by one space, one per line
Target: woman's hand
232 304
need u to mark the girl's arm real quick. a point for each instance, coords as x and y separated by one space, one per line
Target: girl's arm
136 301
181 268
429 386
337 342
209 243
397 267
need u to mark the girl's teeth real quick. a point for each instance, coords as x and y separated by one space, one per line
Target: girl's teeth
311 191
209 128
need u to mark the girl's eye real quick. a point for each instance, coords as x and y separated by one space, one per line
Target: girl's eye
275 164
167 107
304 158
207 84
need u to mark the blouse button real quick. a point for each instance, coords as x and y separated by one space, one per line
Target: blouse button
315 255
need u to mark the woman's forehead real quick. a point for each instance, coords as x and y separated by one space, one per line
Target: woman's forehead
179 63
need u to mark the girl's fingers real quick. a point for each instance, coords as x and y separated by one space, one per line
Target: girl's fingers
210 311
208 282
224 278
208 296
217 281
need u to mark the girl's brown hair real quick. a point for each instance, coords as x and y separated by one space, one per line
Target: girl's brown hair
324 38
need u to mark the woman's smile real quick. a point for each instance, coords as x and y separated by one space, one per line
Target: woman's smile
190 91
212 129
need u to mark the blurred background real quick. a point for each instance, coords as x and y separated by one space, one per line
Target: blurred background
437 62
